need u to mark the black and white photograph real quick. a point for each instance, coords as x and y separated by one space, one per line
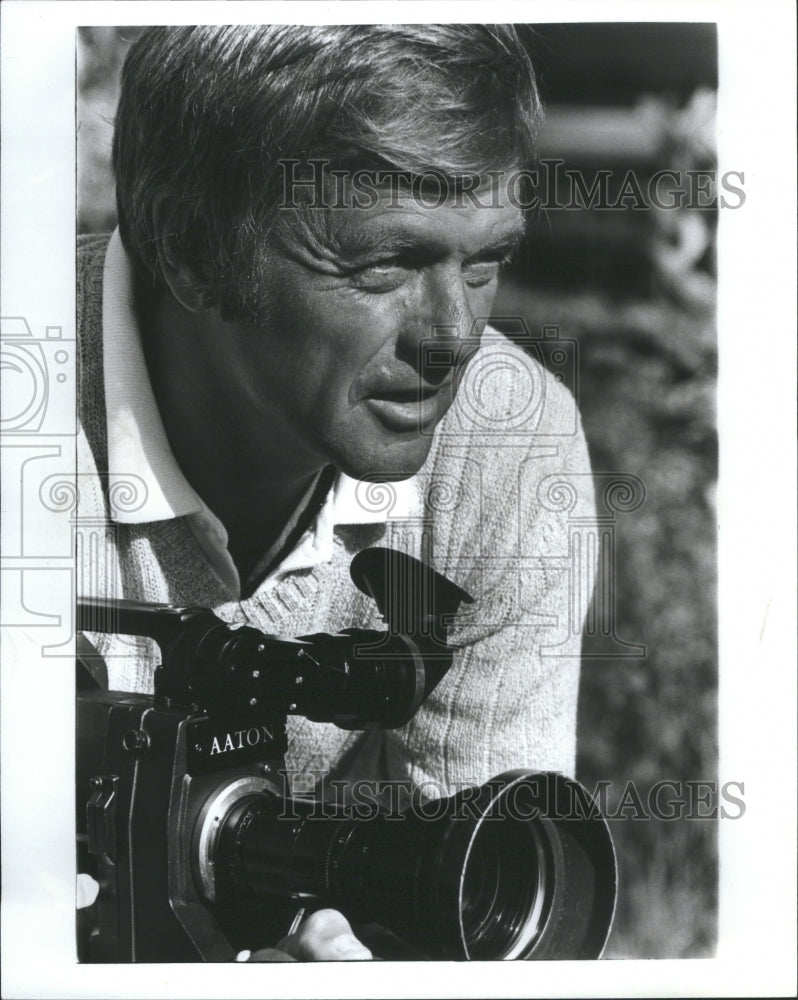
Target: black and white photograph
398 511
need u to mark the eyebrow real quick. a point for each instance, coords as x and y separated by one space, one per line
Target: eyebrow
508 241
360 244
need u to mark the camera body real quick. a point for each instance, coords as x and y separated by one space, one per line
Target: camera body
153 770
186 821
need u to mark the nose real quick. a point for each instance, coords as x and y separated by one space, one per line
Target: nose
438 337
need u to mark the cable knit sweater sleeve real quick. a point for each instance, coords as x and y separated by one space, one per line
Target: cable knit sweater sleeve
510 539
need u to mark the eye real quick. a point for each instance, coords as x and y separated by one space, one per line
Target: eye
482 272
383 275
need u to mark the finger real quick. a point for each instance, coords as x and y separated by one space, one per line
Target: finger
265 955
87 890
325 936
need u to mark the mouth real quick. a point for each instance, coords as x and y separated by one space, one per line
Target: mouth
413 408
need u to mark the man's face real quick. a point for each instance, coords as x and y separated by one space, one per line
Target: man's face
333 371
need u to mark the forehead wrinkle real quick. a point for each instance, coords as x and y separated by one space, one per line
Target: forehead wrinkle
356 242
382 234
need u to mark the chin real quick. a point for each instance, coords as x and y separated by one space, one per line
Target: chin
390 462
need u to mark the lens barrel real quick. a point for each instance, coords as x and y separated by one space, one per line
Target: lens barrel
521 868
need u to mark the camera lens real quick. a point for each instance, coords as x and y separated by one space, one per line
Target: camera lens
503 899
508 874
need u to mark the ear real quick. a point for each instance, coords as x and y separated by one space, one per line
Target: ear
182 281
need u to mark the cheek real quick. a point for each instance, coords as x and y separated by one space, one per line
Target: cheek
321 342
350 337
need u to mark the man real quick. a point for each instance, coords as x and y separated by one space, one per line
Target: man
284 360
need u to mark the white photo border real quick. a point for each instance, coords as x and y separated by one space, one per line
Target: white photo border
756 513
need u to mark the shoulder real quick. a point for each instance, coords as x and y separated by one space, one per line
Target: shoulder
508 473
87 242
90 262
513 428
91 250
514 392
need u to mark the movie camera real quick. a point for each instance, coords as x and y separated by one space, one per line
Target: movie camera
200 851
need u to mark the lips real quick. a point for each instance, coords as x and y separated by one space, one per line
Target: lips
411 408
406 394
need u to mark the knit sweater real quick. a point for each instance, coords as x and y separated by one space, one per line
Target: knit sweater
484 521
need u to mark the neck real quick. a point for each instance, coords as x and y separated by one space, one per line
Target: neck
247 473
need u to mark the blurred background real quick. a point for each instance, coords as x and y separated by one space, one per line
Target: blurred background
636 290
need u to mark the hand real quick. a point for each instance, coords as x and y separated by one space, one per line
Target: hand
325 936
87 891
